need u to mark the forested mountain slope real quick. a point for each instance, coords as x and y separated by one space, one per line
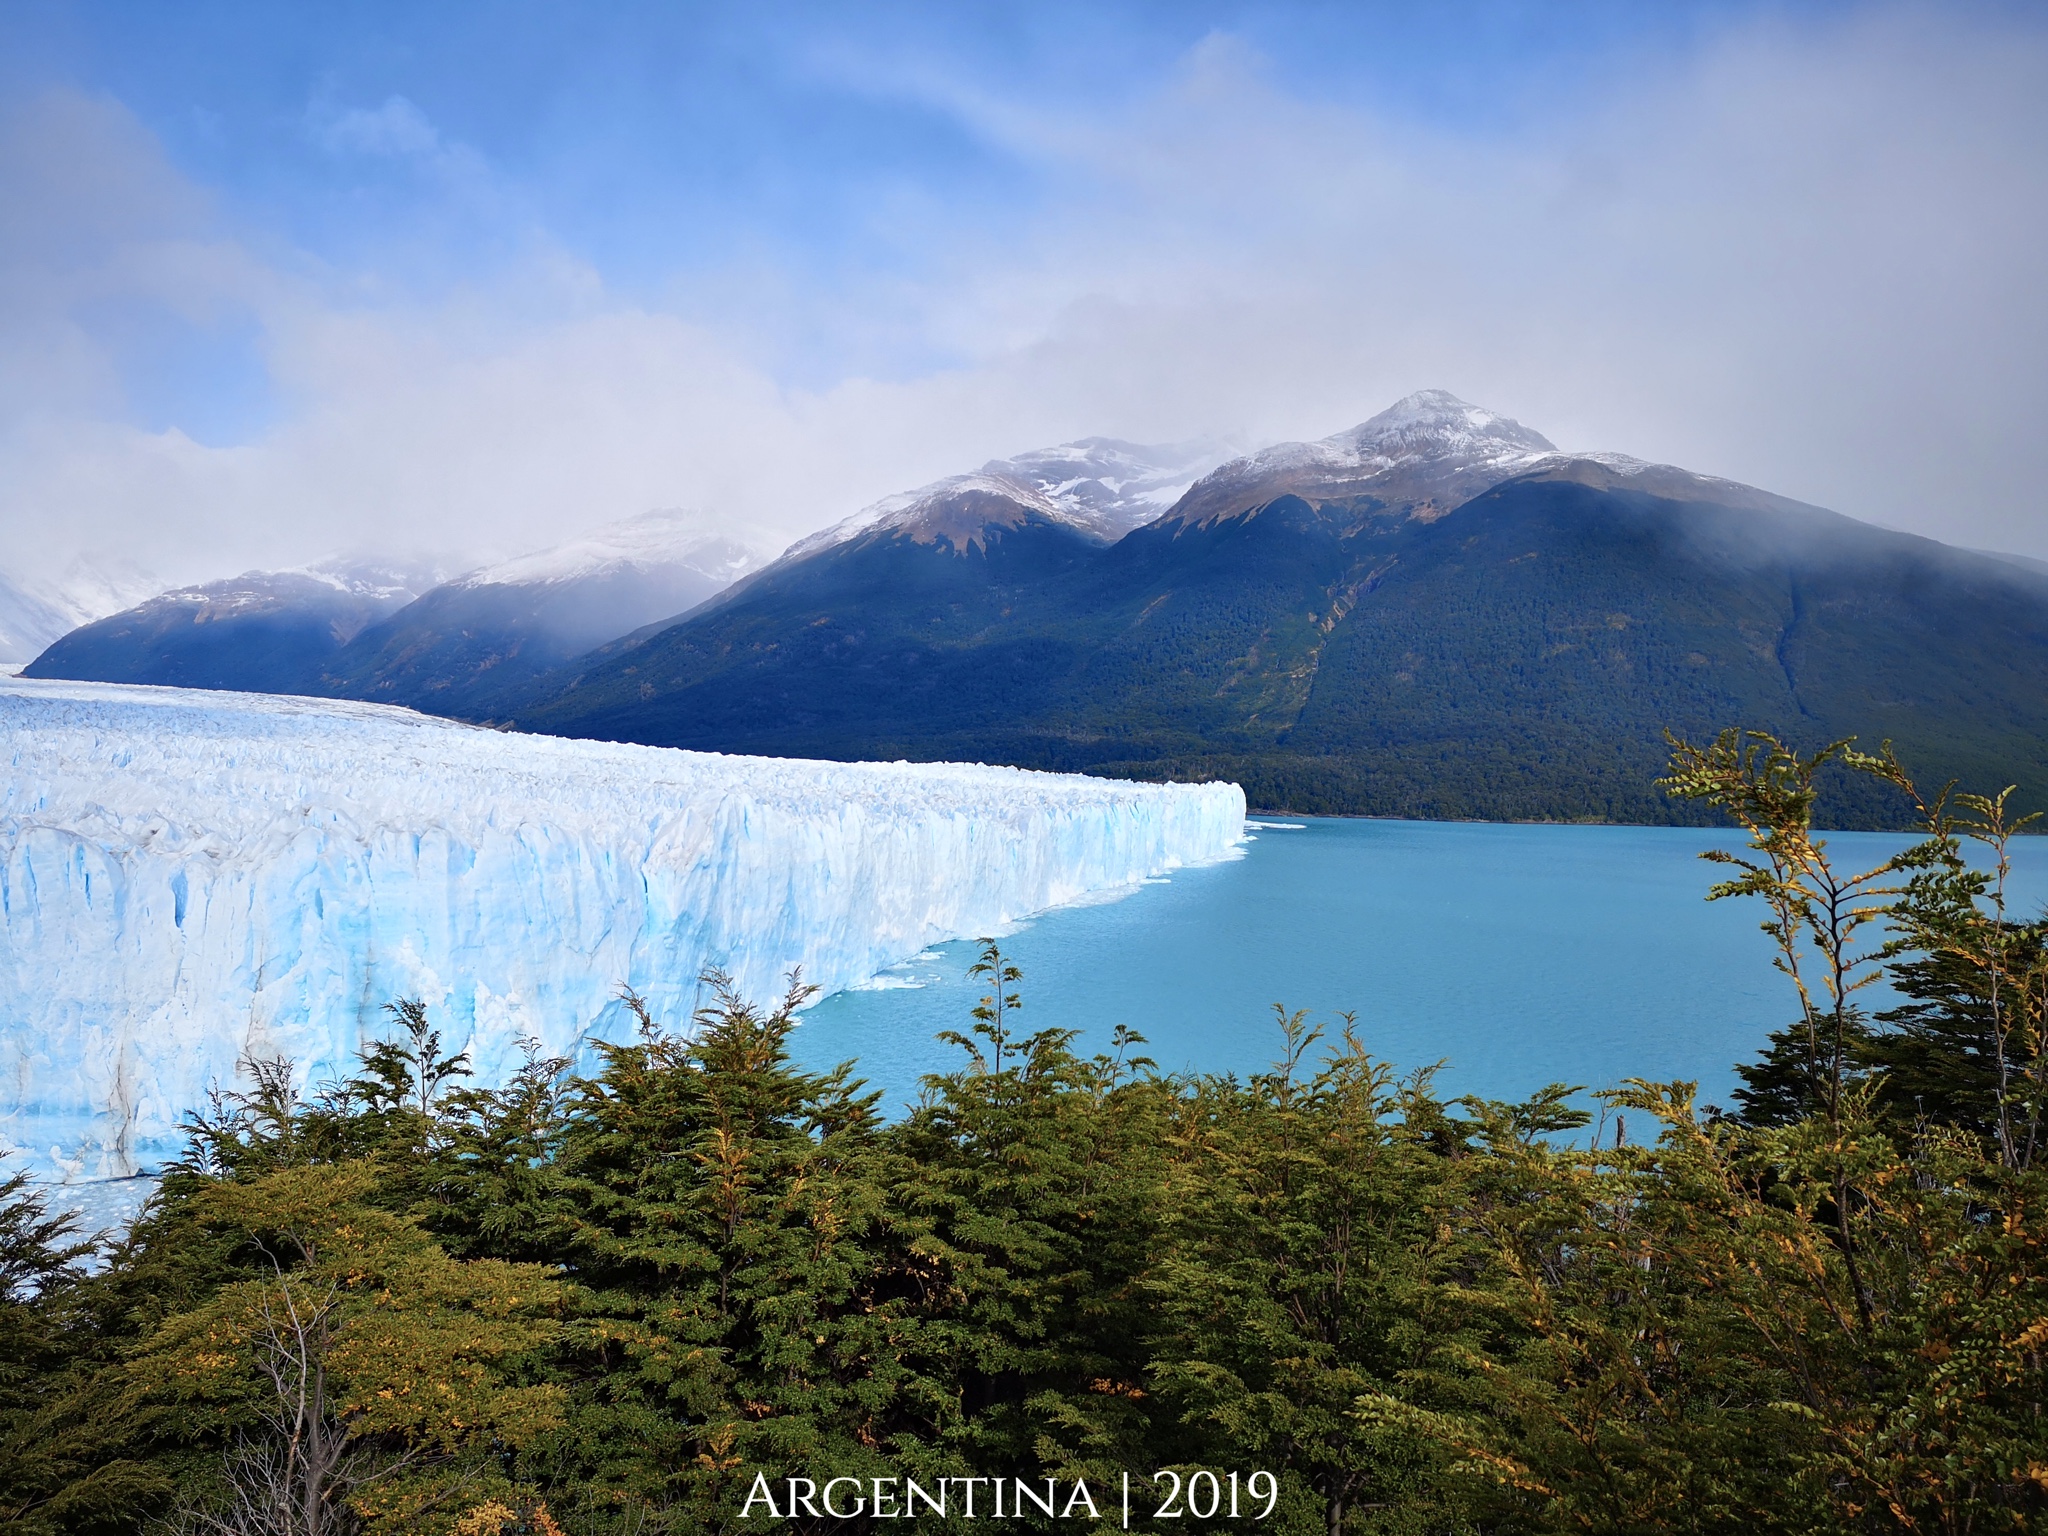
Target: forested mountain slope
1435 613
403 636
262 631
1352 647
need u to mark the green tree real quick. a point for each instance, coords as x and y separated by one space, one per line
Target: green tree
1969 1048
1826 923
360 1377
1031 1199
726 1212
60 1470
1304 1211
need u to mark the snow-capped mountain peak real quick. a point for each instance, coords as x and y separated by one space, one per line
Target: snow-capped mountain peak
369 588
1099 485
1110 486
1431 426
675 536
1420 457
955 509
369 577
1436 423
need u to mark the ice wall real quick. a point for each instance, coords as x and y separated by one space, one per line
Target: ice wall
187 878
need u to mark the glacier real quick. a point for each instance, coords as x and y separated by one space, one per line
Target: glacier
190 878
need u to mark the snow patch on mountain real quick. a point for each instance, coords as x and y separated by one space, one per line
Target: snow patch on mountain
1431 427
1114 486
1422 456
985 497
191 878
699 541
351 593
1099 485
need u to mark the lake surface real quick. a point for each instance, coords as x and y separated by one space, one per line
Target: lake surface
1517 955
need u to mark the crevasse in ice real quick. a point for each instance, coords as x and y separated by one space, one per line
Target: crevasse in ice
190 878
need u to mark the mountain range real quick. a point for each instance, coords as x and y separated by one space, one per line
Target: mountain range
1436 613
407 635
262 631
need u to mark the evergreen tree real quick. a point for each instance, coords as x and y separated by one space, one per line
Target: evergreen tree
1303 1216
59 1469
1031 1188
358 1378
1822 919
725 1211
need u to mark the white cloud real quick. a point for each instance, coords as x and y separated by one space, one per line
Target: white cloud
1808 259
397 128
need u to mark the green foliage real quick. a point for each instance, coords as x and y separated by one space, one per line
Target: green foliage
1818 915
1031 1186
1304 1221
359 1371
59 1470
1972 1048
605 1303
724 1212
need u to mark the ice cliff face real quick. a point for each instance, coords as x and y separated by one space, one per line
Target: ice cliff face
187 878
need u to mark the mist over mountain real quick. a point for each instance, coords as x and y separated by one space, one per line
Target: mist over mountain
262 631
28 622
1420 457
36 611
464 642
1097 487
1436 613
354 629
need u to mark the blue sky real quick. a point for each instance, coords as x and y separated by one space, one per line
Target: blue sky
286 278
653 137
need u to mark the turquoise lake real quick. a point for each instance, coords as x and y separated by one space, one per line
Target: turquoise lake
1516 955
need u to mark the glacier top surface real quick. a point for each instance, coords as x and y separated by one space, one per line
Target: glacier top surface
144 763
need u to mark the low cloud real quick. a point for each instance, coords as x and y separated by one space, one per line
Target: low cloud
1805 257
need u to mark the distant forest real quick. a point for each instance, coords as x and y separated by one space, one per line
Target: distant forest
629 1301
